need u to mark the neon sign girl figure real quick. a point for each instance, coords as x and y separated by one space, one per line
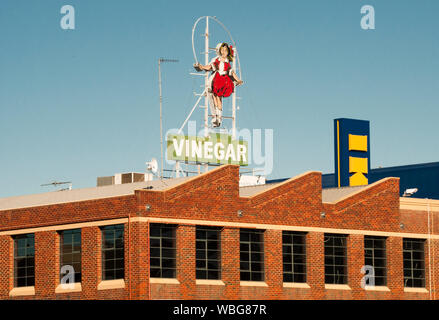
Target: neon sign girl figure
221 82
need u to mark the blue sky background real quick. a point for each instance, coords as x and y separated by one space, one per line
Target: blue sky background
77 104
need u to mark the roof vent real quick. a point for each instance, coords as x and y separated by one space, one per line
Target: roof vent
246 181
122 178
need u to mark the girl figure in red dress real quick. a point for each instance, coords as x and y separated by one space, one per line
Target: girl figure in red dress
221 81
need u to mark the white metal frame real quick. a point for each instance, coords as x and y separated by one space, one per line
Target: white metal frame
205 92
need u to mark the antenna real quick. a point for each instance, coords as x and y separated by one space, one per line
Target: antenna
56 183
161 103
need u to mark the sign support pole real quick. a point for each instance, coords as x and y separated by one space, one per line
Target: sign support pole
234 103
206 84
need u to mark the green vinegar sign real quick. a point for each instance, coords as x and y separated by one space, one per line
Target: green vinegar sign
216 148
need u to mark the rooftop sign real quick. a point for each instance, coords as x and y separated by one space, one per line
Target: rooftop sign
215 149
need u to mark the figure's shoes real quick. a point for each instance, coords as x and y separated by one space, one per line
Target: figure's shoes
214 121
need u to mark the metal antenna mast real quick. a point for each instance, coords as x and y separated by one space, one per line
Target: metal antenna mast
56 183
161 107
206 85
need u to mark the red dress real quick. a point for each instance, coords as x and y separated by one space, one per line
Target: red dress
222 84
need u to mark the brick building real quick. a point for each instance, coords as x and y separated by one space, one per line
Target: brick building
204 237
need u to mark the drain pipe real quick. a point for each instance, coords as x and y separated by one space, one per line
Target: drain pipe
429 245
129 251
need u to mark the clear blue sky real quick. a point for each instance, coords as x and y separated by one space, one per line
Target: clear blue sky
77 104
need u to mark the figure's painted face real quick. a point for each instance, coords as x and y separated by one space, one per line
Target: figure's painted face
224 51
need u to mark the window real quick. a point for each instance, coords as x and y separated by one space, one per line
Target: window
113 260
24 260
335 259
208 253
294 256
252 255
375 256
413 256
163 250
71 252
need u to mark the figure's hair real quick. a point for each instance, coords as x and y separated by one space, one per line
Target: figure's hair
229 55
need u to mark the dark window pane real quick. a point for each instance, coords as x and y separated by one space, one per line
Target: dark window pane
155 272
212 274
168 263
155 243
213 255
208 253
168 243
294 256
200 254
335 259
413 255
245 265
252 256
201 245
201 264
113 252
155 262
168 253
168 273
201 274
155 252
288 277
24 263
162 250
119 274
245 276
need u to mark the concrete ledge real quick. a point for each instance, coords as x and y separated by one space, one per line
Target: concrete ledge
302 285
65 288
253 284
337 287
111 284
22 291
417 290
164 280
376 288
210 282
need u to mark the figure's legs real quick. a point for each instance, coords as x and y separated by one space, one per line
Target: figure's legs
215 111
220 110
220 103
212 102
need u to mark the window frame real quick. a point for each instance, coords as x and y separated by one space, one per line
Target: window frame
117 250
375 257
253 274
291 252
411 251
29 280
71 232
207 248
162 258
334 257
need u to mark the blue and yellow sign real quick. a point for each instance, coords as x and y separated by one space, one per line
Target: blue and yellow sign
352 152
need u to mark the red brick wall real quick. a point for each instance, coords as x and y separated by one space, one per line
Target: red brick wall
230 262
6 266
73 212
139 253
46 266
186 260
215 197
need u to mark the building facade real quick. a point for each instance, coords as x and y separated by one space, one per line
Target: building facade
204 237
